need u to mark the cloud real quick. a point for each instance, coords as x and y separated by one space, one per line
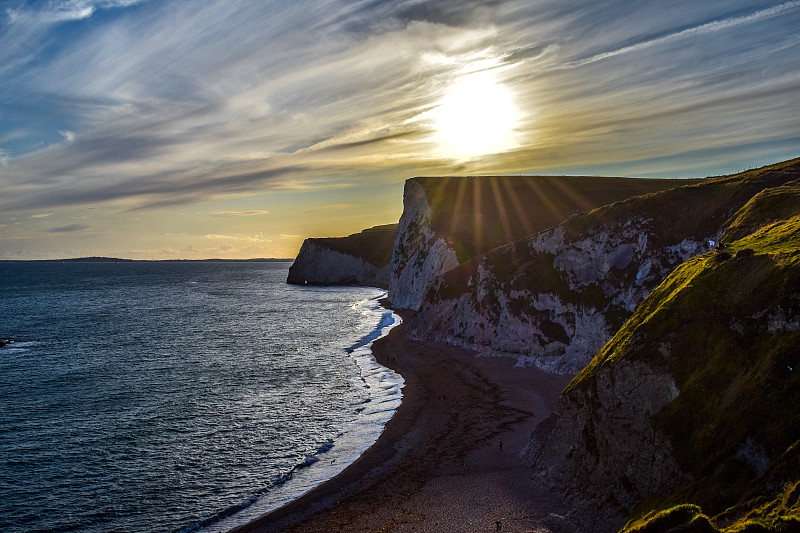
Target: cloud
246 238
13 135
70 228
42 215
239 213
54 11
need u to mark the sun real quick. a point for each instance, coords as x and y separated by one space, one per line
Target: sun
476 117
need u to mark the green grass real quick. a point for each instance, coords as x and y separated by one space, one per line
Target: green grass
696 210
766 207
684 515
780 514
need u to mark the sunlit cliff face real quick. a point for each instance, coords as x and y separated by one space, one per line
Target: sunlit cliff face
476 117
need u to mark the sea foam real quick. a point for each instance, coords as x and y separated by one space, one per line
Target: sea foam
383 388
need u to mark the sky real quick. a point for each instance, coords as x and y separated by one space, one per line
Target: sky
164 129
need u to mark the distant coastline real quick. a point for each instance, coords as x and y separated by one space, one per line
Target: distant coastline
121 260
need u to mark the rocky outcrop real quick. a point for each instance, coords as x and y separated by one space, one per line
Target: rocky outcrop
449 221
319 265
600 449
694 398
555 298
358 259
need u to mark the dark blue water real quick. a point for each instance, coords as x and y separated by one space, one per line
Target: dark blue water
163 396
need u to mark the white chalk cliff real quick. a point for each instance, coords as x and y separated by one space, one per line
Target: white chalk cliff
358 259
316 264
419 254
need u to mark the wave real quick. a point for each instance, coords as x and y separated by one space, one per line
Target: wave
279 480
9 345
388 319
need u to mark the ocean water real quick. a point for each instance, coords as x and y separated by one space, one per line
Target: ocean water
185 396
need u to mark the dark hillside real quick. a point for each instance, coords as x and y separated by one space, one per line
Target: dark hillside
477 214
358 259
373 244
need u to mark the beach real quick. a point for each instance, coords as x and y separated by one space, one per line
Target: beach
448 460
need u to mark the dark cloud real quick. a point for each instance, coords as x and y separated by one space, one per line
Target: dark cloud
371 142
70 228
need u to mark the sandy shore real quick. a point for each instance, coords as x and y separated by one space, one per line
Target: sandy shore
439 465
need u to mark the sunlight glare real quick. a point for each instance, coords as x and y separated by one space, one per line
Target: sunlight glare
476 117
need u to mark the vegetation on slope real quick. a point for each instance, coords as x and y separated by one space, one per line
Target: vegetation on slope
374 245
780 514
727 327
701 208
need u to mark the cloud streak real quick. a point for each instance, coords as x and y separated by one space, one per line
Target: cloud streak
55 11
69 228
703 29
252 213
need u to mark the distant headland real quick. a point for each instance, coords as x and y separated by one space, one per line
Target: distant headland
122 260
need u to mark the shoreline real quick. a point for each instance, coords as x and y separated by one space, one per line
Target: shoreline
448 460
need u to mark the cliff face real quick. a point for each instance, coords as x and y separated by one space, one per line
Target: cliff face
599 449
694 398
555 298
358 259
419 253
449 221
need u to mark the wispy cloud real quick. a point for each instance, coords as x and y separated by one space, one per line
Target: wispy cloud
42 215
707 28
246 238
252 213
55 11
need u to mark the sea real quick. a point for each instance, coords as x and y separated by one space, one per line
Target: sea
179 396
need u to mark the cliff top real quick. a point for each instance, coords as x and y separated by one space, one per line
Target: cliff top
477 214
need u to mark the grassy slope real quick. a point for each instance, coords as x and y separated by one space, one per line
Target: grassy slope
481 213
715 323
374 244
701 208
